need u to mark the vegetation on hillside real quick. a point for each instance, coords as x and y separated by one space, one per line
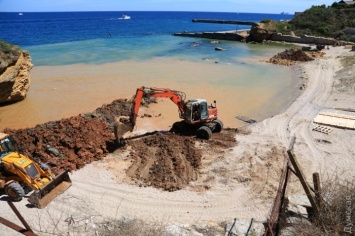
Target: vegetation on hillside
8 48
335 21
8 55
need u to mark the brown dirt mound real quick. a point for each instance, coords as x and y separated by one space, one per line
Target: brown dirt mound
170 161
290 57
66 144
108 112
165 161
71 143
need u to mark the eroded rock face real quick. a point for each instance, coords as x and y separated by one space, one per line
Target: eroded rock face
260 32
14 77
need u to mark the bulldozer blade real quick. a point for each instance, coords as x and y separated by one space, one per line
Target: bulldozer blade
42 197
120 129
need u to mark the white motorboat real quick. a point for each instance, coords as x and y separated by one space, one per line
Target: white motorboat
125 17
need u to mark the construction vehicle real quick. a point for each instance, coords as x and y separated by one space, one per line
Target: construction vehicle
197 117
20 175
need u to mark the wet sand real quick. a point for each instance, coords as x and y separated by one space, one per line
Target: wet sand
255 90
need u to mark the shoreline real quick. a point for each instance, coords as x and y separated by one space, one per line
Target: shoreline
271 135
57 92
244 186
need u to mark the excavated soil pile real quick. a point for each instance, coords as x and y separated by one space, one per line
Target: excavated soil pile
164 161
65 144
71 143
223 140
169 161
290 57
108 112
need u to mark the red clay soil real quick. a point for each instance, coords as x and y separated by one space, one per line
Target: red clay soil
73 142
66 144
108 112
166 161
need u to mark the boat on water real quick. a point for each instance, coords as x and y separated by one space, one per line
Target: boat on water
125 17
20 14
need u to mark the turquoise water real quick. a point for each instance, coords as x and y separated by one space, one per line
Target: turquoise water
64 38
100 51
85 59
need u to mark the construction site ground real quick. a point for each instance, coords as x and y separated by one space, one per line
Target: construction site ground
174 179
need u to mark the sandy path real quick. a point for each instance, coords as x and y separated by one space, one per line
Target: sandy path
99 190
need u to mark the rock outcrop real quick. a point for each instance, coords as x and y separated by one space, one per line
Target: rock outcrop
260 32
15 66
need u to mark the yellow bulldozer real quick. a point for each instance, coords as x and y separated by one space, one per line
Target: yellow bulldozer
20 175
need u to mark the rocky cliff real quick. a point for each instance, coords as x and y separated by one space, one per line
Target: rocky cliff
261 31
15 66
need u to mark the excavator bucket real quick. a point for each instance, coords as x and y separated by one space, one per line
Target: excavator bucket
121 127
42 197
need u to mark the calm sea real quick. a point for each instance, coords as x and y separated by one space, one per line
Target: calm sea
100 37
85 59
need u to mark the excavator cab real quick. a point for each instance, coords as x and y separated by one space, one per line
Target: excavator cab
195 111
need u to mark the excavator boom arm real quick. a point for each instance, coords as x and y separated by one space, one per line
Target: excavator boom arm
176 97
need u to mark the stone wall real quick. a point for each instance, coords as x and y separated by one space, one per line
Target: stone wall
256 36
304 39
214 35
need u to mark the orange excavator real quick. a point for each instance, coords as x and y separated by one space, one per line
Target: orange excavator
197 117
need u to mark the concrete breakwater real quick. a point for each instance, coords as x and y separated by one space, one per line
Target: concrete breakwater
240 35
258 33
234 35
233 22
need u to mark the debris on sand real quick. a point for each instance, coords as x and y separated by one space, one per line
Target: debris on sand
290 57
165 161
108 112
73 142
65 144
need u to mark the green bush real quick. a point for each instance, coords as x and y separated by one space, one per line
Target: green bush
283 27
8 48
324 21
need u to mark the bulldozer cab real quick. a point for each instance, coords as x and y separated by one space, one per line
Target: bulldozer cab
19 171
196 110
7 145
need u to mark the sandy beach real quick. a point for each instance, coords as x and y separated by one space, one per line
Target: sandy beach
242 180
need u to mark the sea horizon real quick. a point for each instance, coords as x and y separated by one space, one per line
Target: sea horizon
270 13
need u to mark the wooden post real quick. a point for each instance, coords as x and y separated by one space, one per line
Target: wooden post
27 231
317 189
301 177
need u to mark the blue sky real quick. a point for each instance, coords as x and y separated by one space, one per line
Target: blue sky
253 6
